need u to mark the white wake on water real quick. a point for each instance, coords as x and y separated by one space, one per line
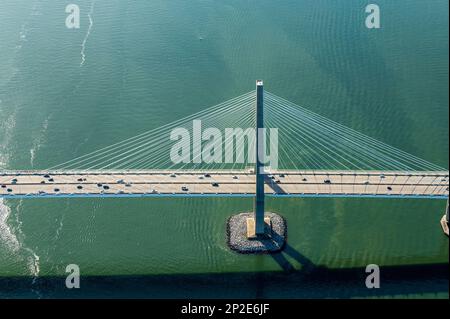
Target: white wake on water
88 33
38 141
7 236
12 238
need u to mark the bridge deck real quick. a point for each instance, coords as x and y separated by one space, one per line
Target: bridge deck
223 183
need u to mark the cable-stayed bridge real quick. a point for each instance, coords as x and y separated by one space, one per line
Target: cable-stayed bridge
235 183
220 151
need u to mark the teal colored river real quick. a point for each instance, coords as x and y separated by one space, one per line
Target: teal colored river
136 65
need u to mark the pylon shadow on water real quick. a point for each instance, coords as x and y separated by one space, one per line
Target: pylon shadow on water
307 266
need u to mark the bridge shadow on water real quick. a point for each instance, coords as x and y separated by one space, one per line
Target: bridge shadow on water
306 281
316 282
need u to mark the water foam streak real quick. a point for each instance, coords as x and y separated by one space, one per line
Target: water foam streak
88 33
39 140
7 236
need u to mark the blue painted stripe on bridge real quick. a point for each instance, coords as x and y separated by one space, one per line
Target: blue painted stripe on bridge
441 197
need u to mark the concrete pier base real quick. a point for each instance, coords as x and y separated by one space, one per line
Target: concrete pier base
444 224
242 237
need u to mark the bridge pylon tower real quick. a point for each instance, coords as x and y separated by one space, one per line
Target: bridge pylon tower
258 221
258 231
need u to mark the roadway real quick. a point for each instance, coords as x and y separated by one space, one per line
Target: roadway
31 184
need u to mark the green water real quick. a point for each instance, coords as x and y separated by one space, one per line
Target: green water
148 63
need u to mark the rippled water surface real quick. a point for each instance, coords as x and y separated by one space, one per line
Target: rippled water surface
136 65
